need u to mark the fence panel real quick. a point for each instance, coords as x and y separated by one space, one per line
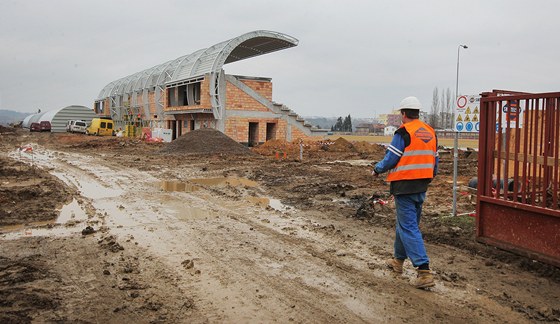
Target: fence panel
518 203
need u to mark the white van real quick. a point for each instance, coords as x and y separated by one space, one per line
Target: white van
78 126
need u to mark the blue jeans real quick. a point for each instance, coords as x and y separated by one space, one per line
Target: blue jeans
408 239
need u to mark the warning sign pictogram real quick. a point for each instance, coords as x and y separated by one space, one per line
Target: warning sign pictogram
467 111
461 101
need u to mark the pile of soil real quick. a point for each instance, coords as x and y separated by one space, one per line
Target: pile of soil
271 147
205 141
4 129
341 145
369 148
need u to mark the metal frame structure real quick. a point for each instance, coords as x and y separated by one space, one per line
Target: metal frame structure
518 196
192 66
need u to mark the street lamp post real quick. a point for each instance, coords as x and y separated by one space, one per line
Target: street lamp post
456 141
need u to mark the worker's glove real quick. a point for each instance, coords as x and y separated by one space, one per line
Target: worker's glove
374 173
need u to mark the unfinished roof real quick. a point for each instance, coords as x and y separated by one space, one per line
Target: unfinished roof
197 64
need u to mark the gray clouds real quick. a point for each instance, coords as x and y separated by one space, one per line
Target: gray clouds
354 57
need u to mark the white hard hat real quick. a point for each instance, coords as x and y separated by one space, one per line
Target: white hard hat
410 103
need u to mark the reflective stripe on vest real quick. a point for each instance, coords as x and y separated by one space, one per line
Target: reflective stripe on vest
418 159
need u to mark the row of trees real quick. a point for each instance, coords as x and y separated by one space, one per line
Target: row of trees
441 113
440 116
342 126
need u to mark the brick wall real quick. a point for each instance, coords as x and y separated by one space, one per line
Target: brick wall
106 108
239 100
296 134
238 128
264 88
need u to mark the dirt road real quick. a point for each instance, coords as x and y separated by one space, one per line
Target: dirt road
149 237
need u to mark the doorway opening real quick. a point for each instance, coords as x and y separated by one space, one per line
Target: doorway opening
172 124
253 134
270 131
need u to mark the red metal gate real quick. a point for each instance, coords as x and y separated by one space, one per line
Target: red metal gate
518 190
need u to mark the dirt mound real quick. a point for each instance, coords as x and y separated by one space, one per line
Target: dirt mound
341 145
365 147
4 129
205 141
272 147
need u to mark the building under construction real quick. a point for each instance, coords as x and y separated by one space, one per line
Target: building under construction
193 92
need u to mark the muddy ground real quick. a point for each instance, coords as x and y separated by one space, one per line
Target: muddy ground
117 230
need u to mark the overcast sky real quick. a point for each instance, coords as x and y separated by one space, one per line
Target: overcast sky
354 57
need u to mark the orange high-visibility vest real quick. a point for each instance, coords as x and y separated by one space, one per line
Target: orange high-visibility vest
419 158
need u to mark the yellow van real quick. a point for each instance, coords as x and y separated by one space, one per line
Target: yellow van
101 126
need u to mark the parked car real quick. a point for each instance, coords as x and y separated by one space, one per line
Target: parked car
101 126
35 127
45 126
78 126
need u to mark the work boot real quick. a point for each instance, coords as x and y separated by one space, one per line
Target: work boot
424 279
395 264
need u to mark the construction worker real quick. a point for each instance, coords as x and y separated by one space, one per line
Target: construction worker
412 161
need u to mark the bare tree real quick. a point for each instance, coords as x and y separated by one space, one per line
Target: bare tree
434 112
442 107
445 108
448 108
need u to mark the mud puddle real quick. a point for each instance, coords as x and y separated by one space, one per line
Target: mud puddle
171 186
71 215
265 202
229 181
180 186
195 184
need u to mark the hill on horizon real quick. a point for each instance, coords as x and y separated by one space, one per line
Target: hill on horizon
10 117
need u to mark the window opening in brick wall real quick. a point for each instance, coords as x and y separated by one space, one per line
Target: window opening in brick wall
172 97
184 95
99 107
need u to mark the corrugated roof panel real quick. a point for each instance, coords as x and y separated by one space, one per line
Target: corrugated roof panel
205 60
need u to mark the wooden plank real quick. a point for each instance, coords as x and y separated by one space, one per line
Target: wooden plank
511 157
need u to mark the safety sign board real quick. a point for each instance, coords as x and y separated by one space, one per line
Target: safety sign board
467 114
512 114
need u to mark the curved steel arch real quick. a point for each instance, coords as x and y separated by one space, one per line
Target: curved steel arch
243 47
199 63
